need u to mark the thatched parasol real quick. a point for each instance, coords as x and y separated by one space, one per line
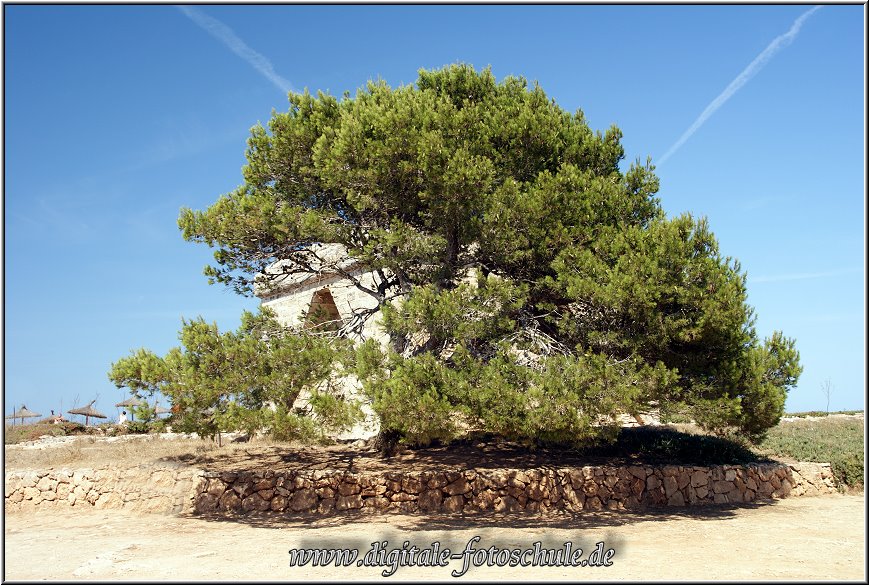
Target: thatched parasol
130 403
88 411
161 409
22 413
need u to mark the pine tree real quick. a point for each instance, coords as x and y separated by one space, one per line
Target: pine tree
530 286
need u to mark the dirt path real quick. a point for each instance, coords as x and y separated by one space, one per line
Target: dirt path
798 538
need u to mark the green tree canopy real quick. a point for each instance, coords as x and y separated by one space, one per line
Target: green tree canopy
248 379
543 287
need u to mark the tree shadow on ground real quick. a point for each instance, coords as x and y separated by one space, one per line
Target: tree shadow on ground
652 446
447 522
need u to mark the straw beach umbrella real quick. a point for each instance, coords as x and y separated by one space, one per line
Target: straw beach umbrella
161 409
88 411
130 403
22 413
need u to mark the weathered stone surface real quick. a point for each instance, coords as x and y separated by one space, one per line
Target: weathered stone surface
691 492
29 479
46 484
264 484
326 492
300 482
402 497
206 502
537 492
430 500
652 482
215 487
438 480
230 501
459 486
671 486
676 499
326 506
373 490
574 500
515 492
162 479
351 502
278 503
454 504
638 472
408 507
377 502
485 500
348 489
621 489
411 485
507 504
303 499
722 487
699 477
242 488
784 488
255 502
594 504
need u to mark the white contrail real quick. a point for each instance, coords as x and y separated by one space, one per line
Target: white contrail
779 43
804 275
225 35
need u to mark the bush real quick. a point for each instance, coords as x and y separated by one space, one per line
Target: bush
138 427
665 445
836 441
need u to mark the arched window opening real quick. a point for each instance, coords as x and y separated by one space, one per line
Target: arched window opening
322 314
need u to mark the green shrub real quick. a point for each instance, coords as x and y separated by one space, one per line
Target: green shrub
837 441
665 445
138 427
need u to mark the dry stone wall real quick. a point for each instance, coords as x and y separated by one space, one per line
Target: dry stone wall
508 490
144 488
534 491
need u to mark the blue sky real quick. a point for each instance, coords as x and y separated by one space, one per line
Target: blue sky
118 116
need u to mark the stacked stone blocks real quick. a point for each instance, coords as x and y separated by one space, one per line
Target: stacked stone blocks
450 491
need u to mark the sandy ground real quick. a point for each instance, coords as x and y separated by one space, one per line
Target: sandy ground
820 538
